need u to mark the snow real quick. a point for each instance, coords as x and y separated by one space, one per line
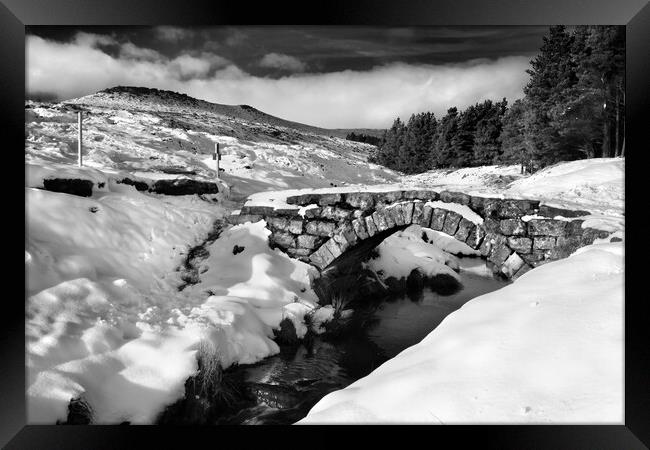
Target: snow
105 318
463 210
404 251
546 349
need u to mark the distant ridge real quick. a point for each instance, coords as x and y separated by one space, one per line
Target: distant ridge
136 97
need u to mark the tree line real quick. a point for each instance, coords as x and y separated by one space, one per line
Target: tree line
573 108
360 137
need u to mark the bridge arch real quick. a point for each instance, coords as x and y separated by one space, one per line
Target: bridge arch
514 235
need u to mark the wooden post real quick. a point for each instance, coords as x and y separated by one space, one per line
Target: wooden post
217 157
79 157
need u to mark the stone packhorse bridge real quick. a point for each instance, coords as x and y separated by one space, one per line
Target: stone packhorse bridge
513 235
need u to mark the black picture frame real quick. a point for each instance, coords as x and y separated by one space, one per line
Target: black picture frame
634 14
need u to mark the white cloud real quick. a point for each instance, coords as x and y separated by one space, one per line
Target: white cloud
172 34
284 62
344 99
130 50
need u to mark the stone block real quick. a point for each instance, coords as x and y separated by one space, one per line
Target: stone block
313 213
438 217
359 226
422 194
589 235
499 253
308 241
335 213
574 228
550 211
512 227
407 210
512 265
451 223
329 199
320 228
322 257
395 212
333 248
511 209
360 200
282 239
492 225
371 228
237 219
303 199
427 211
287 212
418 212
261 210
525 268
476 236
455 197
534 258
379 218
391 197
564 246
543 242
546 227
521 245
298 252
491 240
464 228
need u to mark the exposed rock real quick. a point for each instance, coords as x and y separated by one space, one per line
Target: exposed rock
379 218
237 249
73 186
185 186
391 197
139 185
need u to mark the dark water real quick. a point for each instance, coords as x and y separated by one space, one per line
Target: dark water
291 383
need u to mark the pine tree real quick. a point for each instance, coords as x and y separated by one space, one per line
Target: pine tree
442 153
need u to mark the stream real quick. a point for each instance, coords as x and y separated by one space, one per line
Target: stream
289 384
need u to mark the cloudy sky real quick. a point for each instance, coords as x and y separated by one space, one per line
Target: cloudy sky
334 77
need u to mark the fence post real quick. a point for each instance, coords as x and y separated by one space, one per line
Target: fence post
217 157
79 157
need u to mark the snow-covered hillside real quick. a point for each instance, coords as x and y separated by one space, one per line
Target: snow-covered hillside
111 318
546 349
150 132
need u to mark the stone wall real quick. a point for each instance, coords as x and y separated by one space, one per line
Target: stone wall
336 222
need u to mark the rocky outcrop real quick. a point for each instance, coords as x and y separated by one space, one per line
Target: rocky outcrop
515 234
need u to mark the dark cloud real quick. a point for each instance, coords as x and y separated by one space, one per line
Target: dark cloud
328 76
